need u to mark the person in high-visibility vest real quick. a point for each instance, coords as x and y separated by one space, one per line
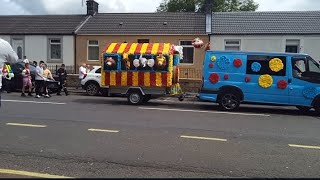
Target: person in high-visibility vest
7 55
7 77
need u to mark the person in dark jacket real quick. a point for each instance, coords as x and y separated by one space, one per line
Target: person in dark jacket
62 73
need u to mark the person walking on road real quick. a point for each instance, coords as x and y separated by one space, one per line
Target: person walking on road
39 79
62 73
26 74
7 55
82 73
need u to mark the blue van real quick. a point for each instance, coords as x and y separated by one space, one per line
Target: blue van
231 78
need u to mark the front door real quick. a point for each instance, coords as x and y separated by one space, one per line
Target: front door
17 45
303 86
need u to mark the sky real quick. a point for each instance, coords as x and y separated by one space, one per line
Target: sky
29 7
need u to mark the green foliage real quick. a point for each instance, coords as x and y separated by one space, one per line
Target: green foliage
199 5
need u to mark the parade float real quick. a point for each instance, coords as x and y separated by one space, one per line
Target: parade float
142 71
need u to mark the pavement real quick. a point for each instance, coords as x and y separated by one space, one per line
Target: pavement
94 137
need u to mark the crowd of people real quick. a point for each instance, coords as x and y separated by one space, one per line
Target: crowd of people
43 77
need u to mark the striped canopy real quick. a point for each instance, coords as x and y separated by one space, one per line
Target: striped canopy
138 48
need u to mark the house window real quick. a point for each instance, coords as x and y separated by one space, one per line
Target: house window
188 52
93 50
292 46
232 45
143 40
55 49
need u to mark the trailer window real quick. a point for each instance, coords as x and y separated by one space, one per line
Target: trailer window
128 65
111 65
259 65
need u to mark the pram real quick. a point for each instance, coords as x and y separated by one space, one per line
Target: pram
53 85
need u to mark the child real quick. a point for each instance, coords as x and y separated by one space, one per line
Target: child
26 80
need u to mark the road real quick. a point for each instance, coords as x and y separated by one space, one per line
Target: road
80 136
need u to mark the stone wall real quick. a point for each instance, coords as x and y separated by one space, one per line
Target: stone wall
73 80
190 85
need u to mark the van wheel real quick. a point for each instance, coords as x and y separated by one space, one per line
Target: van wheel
303 109
316 105
135 98
229 101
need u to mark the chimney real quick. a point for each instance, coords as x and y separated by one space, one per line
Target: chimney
208 11
92 7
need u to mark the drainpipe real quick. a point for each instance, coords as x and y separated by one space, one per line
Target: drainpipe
208 12
75 54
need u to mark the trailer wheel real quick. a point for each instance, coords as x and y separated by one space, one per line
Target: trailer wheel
135 97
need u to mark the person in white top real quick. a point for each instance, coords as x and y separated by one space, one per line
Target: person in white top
7 55
82 72
39 80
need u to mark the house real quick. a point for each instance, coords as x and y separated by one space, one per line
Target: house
296 32
176 28
50 38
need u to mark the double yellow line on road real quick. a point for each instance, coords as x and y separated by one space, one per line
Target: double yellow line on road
30 174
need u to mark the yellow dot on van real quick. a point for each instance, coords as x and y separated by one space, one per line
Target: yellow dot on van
265 81
276 64
213 58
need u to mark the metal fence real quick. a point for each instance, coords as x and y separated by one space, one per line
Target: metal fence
70 69
190 73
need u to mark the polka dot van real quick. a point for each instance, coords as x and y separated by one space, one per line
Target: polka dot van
232 78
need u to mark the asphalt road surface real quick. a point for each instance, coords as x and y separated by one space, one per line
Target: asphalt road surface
80 136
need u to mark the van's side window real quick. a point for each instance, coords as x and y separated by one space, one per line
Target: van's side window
299 67
263 61
306 69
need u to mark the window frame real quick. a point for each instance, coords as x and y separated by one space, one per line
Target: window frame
88 45
232 45
49 48
188 46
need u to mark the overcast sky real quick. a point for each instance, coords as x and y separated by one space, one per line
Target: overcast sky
23 7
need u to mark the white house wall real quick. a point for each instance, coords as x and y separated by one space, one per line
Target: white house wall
4 37
308 44
36 48
68 50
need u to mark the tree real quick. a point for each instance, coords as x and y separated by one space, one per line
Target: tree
200 6
177 6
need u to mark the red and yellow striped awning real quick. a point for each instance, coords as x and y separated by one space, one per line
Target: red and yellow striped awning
138 48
